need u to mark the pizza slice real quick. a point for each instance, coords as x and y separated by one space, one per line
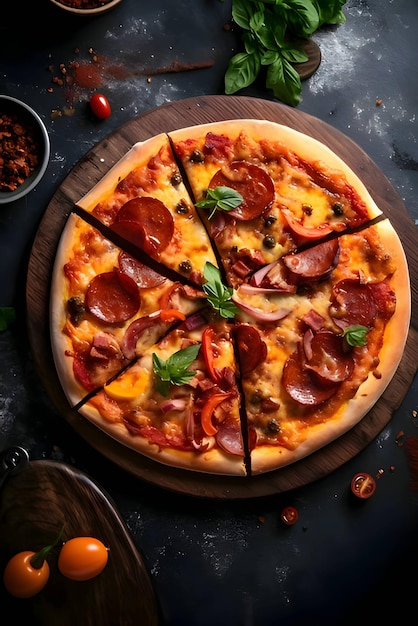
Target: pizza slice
179 403
144 201
317 351
264 189
106 308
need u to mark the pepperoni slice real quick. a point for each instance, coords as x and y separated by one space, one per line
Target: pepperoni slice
328 359
229 437
113 297
301 384
252 348
145 222
252 182
354 302
144 276
314 263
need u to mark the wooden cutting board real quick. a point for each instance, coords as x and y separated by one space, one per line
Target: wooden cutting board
92 167
35 505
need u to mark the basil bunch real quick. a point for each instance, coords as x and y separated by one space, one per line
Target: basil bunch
268 31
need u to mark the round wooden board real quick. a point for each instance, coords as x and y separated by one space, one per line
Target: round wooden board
91 168
36 504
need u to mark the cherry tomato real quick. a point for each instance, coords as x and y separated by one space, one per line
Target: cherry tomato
100 106
23 577
289 515
363 485
82 558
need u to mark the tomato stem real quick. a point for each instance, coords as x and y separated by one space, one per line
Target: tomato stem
39 557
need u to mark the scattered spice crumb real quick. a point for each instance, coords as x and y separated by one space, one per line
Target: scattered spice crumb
379 102
261 519
392 468
399 437
380 472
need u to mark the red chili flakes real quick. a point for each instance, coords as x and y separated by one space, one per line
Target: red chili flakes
19 151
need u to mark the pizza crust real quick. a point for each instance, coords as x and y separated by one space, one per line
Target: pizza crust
212 462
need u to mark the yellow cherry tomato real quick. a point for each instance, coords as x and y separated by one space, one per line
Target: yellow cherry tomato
21 578
82 558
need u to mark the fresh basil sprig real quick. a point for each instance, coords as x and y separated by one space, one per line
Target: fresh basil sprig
174 370
220 199
218 295
7 316
268 30
356 335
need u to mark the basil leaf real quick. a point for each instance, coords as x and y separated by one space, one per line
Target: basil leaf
356 335
285 82
220 199
7 316
242 70
175 369
219 296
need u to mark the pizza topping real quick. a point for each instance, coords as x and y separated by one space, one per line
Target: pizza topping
252 349
220 199
326 356
229 437
219 296
302 385
306 233
252 182
76 310
356 303
355 335
314 263
208 409
147 223
175 369
144 276
260 314
148 330
112 297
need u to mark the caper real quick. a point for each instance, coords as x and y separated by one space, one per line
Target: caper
269 241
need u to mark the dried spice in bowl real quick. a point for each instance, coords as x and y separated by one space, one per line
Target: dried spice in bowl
84 4
19 151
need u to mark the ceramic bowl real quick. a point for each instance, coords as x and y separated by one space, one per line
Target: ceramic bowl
21 113
87 12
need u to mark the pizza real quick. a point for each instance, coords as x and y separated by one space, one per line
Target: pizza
228 299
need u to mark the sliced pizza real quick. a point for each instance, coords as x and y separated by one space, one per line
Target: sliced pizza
264 189
319 349
143 200
106 308
179 403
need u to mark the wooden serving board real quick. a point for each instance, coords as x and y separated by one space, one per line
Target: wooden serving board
35 505
91 168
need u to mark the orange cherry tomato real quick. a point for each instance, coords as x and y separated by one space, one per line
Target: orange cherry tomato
100 106
363 485
22 578
289 515
82 558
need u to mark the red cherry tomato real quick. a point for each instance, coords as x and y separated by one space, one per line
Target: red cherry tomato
100 106
363 485
289 515
82 558
22 578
